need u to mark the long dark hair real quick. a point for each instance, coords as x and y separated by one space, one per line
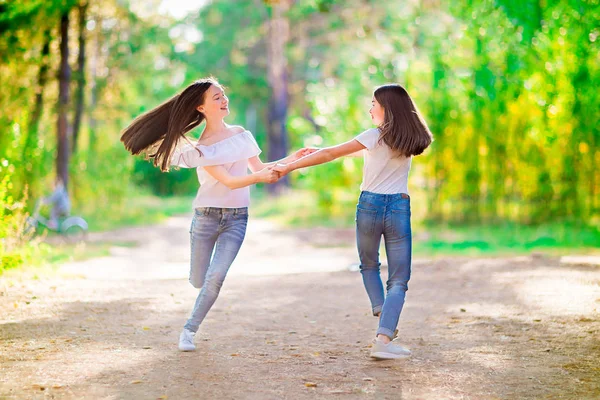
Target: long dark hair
403 129
157 131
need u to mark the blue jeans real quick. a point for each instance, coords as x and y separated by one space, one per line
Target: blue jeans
387 215
216 236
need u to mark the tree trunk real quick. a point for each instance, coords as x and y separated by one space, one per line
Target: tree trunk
64 77
277 75
80 76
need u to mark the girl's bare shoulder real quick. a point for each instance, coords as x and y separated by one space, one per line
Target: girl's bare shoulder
235 129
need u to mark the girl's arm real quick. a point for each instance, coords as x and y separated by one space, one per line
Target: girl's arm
256 164
321 156
221 174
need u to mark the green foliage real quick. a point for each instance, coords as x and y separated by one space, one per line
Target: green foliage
16 245
139 207
508 88
181 181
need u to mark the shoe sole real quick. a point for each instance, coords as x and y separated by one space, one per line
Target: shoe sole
187 349
388 356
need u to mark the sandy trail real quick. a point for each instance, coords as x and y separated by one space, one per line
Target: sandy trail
291 315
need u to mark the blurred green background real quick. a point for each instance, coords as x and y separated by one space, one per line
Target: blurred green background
509 89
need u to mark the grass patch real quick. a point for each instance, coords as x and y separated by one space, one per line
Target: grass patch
298 209
551 238
41 258
140 209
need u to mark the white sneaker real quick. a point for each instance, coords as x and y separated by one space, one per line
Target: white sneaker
186 341
390 351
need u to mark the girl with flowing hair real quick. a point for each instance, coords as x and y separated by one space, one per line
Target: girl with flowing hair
383 208
221 157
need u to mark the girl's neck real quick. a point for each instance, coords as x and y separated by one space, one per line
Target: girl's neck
214 126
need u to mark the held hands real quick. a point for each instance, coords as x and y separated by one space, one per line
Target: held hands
282 169
271 174
268 175
274 173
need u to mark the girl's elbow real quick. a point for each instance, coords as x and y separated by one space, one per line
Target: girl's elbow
228 182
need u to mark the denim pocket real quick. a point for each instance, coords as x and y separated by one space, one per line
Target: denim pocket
401 222
365 220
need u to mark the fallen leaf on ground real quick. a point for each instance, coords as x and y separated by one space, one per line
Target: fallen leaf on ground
310 384
135 382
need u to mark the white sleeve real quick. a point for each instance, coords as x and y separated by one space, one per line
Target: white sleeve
239 148
368 138
187 157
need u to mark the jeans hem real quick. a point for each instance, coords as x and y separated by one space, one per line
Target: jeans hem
187 327
377 311
385 331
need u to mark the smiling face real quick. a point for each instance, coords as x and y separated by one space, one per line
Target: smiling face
216 103
377 112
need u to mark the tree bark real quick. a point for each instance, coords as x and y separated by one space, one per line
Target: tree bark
80 76
64 77
278 37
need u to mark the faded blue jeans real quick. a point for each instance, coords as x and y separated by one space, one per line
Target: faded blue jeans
386 215
216 236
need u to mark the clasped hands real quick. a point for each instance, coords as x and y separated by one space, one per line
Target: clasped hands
273 173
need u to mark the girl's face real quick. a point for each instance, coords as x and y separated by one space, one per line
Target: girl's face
377 112
216 104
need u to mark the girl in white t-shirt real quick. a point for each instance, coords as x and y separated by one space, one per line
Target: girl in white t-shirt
222 157
384 205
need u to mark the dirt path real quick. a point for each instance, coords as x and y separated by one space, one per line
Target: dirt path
497 328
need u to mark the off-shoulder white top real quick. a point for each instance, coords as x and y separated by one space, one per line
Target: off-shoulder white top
232 153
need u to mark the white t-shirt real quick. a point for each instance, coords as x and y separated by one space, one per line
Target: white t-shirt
232 153
384 172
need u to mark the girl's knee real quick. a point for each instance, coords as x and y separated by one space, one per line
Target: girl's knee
213 285
196 282
397 286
